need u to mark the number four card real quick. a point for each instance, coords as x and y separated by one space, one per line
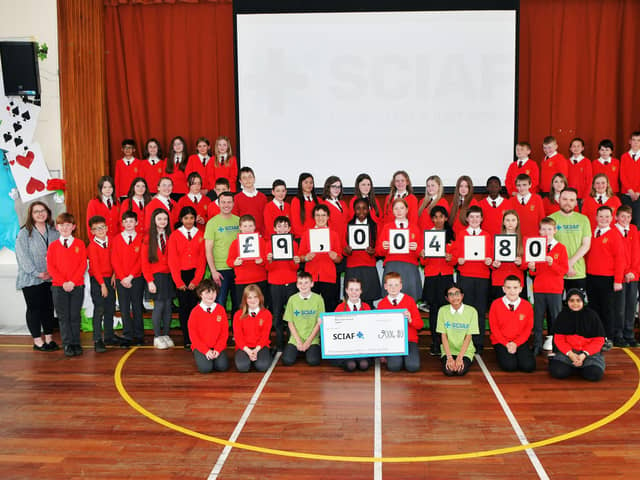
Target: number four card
434 243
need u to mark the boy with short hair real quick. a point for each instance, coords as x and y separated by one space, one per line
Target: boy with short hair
66 263
474 274
548 285
103 282
607 164
127 168
580 172
553 163
221 185
630 176
457 324
528 205
303 317
277 207
522 164
511 321
127 265
395 299
250 201
281 277
606 262
248 270
627 298
493 207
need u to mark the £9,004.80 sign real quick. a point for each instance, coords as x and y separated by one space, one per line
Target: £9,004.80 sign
377 333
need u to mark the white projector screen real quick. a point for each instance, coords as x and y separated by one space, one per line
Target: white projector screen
350 92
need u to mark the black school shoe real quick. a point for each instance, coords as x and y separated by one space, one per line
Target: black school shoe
69 351
41 348
99 346
77 349
51 346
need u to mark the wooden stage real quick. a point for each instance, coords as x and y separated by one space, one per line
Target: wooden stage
145 413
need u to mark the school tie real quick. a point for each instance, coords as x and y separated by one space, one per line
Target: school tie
65 242
204 162
512 307
282 207
130 239
494 204
195 200
626 232
188 235
635 156
548 248
355 308
339 206
208 309
104 244
600 199
141 205
170 205
394 302
575 162
522 201
520 163
401 225
253 314
109 203
597 233
163 243
473 232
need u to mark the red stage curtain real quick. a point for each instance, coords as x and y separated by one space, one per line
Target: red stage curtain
169 72
579 72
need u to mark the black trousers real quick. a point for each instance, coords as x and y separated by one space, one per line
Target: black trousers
243 363
130 300
313 355
39 309
204 365
450 373
522 360
476 294
103 309
68 305
601 299
433 294
280 294
329 293
187 300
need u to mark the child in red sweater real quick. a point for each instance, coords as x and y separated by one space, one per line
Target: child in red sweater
607 164
281 277
248 270
548 285
197 200
66 263
553 163
493 207
502 270
103 283
153 164
251 329
162 200
187 262
155 268
176 166
601 194
434 197
528 206
364 189
551 202
353 303
277 207
400 188
580 172
462 201
198 162
511 320
127 265
395 299
127 168
209 330
138 197
606 262
302 205
522 164
104 205
630 176
250 201
224 163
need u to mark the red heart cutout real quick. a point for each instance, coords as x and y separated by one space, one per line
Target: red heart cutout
25 161
34 185
11 162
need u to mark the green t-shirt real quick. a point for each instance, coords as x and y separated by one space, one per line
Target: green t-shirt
457 326
572 230
223 231
304 315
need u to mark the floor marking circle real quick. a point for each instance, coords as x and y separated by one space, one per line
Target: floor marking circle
341 458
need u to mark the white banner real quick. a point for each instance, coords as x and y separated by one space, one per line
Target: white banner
373 333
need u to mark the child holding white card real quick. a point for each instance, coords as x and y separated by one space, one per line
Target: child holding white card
321 259
501 270
361 264
401 242
353 303
474 274
249 270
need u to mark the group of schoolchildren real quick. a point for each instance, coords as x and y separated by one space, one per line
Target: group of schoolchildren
163 244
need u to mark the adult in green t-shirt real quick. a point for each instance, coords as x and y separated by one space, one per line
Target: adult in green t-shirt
457 323
220 232
574 232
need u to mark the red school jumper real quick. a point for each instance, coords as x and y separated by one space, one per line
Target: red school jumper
250 271
99 261
254 206
629 173
415 320
580 176
550 278
252 332
208 330
185 254
111 215
215 171
611 170
549 167
161 266
322 268
607 256
510 326
273 211
528 168
492 214
153 173
530 214
125 174
201 207
67 264
126 257
424 221
472 268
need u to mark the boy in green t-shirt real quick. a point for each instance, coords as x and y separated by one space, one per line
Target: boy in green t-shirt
302 315
457 322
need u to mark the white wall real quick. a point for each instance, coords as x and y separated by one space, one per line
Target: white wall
32 20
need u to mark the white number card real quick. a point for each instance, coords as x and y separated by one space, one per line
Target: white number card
249 244
535 249
474 247
398 241
319 240
358 237
505 248
435 242
282 246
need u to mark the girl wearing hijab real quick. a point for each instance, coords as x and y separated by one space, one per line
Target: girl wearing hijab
578 339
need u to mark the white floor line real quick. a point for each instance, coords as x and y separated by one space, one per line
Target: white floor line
217 468
512 419
377 423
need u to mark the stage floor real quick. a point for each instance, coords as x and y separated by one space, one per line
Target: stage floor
145 413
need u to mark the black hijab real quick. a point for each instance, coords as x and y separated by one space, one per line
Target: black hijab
585 322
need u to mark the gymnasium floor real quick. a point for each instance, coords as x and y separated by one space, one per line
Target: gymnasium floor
145 413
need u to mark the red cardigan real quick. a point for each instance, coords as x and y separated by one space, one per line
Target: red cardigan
297 227
611 170
112 216
249 271
530 168
254 206
322 268
271 212
230 172
135 207
424 221
580 176
472 268
186 254
281 272
99 261
194 164
412 214
590 207
202 209
208 330
126 258
153 173
629 173
67 264
607 255
415 235
161 266
549 167
124 175
507 326
251 331
492 216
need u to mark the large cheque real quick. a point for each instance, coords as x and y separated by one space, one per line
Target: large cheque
376 333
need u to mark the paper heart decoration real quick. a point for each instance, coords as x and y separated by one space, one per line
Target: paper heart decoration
34 185
25 161
11 162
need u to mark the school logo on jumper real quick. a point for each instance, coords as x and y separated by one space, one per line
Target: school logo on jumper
219 318
522 316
